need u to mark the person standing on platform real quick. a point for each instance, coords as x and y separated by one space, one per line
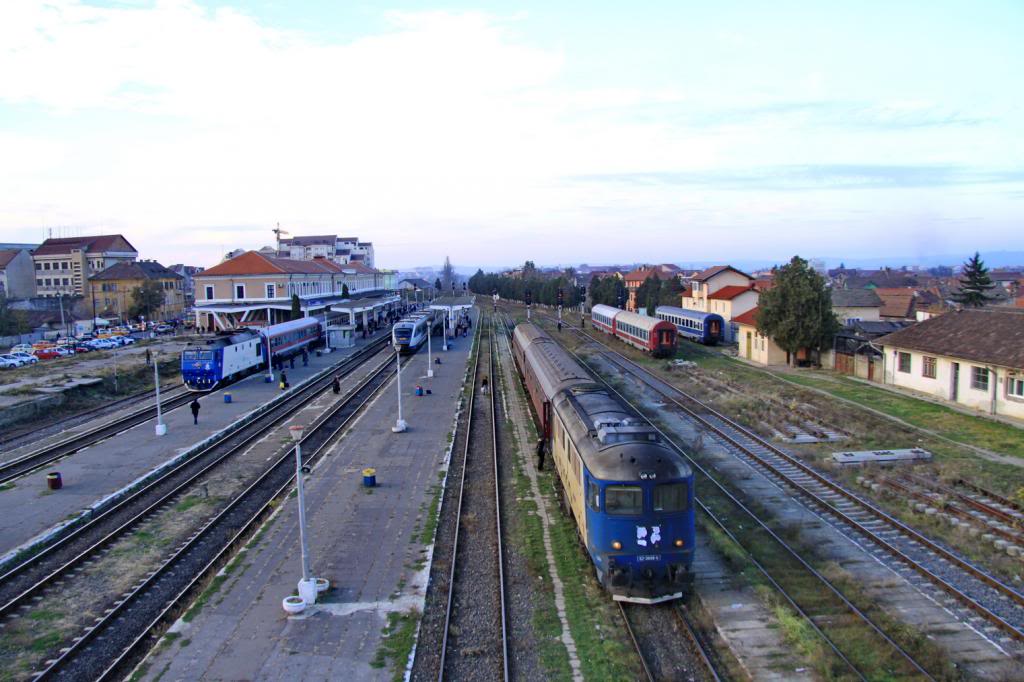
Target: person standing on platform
284 380
336 386
540 454
195 411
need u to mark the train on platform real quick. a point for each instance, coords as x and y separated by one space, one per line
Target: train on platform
705 328
630 493
650 334
410 333
234 354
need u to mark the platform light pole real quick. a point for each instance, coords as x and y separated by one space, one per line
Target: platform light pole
400 425
430 332
444 331
161 428
307 586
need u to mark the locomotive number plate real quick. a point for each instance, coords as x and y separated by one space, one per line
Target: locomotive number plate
648 557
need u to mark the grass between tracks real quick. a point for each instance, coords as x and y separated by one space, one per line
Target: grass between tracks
398 637
603 651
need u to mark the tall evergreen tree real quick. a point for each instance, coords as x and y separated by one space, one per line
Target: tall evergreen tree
974 284
344 290
296 307
797 311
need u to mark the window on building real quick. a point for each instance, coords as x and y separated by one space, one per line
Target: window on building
46 266
240 291
928 367
209 293
39 266
903 362
271 291
39 282
67 282
979 378
1015 387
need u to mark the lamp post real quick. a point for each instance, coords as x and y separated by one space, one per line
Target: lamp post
444 331
161 428
430 332
307 586
400 425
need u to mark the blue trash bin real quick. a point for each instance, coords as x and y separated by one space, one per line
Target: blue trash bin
369 478
227 397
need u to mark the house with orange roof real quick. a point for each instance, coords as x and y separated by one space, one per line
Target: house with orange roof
256 289
724 290
635 278
755 346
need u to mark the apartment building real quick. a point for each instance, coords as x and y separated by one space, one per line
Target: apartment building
63 266
111 292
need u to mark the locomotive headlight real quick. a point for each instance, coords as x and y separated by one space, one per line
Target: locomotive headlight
679 543
616 544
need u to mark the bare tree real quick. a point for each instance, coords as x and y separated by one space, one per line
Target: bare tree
447 276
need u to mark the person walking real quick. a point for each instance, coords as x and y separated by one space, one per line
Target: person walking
195 411
336 386
540 454
284 380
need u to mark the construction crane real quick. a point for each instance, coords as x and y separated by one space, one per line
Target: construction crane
277 234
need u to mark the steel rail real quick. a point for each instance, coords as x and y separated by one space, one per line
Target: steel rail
497 499
458 515
17 434
28 463
636 642
282 467
274 416
793 553
698 644
935 548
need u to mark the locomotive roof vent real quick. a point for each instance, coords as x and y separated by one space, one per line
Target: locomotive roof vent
621 432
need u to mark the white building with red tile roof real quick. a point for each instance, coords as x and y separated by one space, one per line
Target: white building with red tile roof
724 290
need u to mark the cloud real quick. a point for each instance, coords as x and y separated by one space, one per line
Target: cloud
818 177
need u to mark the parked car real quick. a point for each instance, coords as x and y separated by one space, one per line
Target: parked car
127 340
81 348
27 357
18 362
6 363
100 344
48 353
23 348
163 329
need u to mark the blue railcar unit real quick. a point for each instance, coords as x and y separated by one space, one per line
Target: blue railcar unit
630 493
234 354
410 333
706 328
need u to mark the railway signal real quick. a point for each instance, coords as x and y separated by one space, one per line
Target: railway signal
529 302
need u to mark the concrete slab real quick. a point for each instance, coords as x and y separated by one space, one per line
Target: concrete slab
363 542
29 509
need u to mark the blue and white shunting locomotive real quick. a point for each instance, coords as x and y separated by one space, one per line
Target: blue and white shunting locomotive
631 494
411 331
706 328
234 354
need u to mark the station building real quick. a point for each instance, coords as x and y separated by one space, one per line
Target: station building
635 279
17 274
724 290
972 358
255 289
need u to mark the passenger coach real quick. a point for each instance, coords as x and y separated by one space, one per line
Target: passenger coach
658 337
603 317
706 328
630 493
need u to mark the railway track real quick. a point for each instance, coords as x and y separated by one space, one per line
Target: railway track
845 630
474 642
131 624
28 463
971 586
655 631
13 438
24 583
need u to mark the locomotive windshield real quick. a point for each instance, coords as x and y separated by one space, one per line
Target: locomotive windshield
624 500
670 497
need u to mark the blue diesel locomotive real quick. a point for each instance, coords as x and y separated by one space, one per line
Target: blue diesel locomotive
232 355
706 328
630 493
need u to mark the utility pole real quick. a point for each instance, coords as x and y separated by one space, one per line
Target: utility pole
277 234
430 332
308 585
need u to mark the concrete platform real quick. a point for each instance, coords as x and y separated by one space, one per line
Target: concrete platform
364 542
29 509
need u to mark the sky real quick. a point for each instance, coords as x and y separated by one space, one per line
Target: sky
561 132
